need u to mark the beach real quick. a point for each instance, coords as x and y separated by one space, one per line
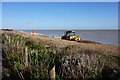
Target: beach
101 36
63 43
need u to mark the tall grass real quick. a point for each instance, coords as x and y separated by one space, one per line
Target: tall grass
38 58
29 60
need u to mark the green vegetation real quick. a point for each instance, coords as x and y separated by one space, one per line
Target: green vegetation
38 56
29 60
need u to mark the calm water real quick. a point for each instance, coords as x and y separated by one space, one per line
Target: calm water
102 36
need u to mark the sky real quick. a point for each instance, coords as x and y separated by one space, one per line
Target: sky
60 0
60 15
0 15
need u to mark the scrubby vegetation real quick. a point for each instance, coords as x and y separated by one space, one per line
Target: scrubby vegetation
33 65
29 60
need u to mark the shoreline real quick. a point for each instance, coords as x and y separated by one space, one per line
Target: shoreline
58 41
82 41
86 35
85 40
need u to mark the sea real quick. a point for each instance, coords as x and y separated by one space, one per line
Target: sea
101 36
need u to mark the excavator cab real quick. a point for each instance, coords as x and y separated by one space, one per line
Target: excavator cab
70 35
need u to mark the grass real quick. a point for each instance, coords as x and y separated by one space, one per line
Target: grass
72 61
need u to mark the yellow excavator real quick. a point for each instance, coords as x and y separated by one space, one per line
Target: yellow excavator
70 35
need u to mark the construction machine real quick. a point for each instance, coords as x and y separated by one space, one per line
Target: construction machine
70 35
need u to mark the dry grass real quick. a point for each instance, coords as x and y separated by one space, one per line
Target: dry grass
72 59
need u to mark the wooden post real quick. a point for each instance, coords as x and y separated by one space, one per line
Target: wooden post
26 56
52 71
